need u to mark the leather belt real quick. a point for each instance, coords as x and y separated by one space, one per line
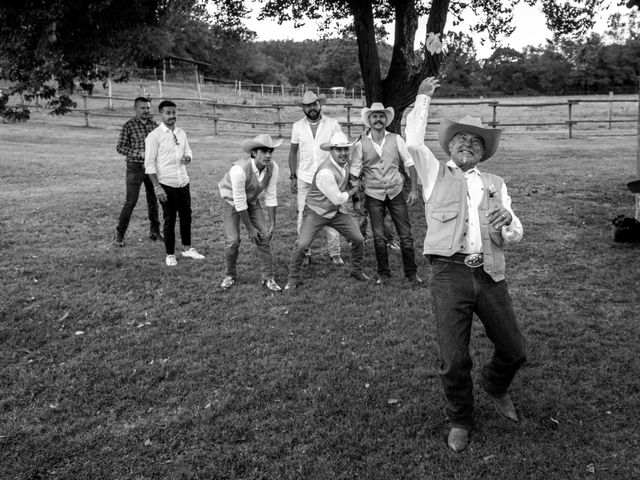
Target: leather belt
471 260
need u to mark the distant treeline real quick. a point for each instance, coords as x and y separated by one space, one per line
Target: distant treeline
564 66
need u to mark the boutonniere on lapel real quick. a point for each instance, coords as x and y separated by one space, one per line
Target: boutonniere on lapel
492 191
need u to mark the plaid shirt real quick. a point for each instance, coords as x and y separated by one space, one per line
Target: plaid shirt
131 139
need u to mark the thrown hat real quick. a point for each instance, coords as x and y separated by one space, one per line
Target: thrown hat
376 107
338 140
309 97
448 129
263 140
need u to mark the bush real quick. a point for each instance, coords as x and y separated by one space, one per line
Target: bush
12 114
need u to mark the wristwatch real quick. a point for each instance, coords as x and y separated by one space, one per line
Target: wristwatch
292 176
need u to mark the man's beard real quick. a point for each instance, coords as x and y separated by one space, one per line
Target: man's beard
313 115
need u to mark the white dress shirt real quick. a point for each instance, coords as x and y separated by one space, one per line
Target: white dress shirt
310 156
163 150
427 169
238 180
326 183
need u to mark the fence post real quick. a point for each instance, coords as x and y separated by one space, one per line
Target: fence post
571 122
160 88
610 108
278 107
110 101
481 109
349 121
494 105
215 118
198 88
282 89
262 92
86 111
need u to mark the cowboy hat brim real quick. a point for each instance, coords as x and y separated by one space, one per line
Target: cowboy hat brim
328 145
249 145
389 112
491 136
322 99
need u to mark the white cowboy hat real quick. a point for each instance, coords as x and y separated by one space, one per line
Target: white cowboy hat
448 129
309 97
261 141
338 140
376 107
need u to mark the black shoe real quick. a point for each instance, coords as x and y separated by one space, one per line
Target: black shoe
383 280
361 277
155 235
118 239
414 279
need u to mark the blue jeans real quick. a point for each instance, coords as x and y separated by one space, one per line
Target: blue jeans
231 222
178 203
400 215
312 223
459 292
134 179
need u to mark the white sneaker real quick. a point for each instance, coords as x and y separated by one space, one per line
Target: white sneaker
192 253
171 261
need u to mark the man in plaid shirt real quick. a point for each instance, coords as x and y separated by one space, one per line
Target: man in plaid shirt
131 145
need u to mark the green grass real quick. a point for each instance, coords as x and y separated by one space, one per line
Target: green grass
172 378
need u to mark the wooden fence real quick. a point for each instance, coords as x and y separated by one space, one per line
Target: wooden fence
215 112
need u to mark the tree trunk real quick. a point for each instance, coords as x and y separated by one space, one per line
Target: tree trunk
364 26
407 69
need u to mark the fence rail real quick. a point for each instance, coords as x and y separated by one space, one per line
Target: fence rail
219 113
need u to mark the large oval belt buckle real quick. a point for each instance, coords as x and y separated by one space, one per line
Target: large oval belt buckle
474 260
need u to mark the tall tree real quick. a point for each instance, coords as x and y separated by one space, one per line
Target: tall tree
398 86
46 44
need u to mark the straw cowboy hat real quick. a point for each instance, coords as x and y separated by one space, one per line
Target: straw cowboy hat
448 129
261 141
309 97
338 140
376 107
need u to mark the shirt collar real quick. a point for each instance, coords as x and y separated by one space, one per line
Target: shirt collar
342 169
475 170
255 168
385 134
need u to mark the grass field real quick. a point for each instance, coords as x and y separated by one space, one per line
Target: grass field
113 366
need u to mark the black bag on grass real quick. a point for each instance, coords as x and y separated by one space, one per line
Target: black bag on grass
626 229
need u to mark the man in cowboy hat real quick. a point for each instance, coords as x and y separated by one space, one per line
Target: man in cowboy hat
325 205
305 156
469 221
240 189
377 158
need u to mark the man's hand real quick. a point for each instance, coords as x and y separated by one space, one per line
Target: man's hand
185 160
353 191
161 195
499 217
428 86
412 197
255 235
294 185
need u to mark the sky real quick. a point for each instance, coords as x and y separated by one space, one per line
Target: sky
529 23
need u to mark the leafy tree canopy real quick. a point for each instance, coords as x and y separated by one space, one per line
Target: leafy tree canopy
46 44
408 68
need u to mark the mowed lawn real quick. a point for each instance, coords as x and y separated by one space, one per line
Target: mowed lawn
113 366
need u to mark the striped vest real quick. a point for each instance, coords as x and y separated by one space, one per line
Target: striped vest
317 201
447 219
252 186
